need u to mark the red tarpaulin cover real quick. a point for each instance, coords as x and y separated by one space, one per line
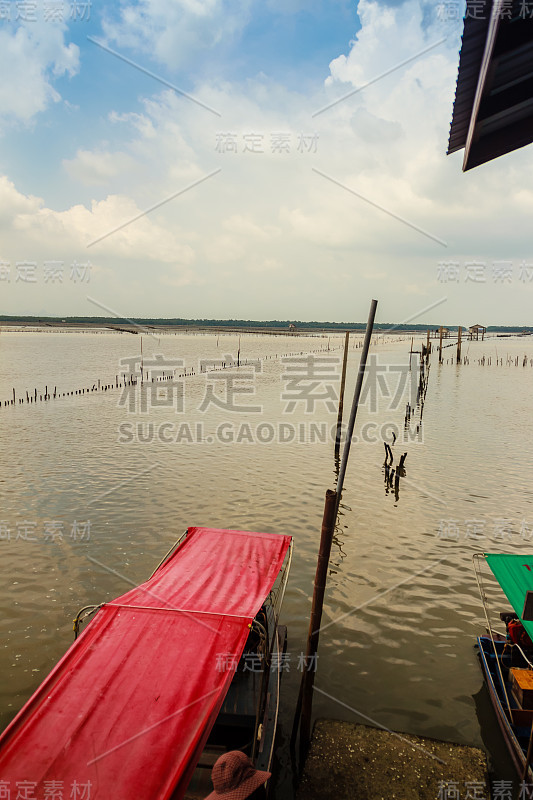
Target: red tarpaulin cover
126 712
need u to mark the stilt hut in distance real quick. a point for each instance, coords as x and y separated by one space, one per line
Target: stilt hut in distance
475 330
292 328
445 333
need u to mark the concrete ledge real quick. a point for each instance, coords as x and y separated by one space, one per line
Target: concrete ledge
356 762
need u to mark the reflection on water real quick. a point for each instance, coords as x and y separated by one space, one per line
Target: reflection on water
401 607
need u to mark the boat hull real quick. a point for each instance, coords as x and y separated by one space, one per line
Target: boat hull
516 737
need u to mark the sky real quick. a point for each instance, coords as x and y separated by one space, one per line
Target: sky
250 160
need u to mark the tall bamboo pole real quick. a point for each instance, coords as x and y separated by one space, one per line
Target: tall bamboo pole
357 394
341 395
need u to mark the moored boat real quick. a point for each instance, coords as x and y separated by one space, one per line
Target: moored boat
506 658
133 704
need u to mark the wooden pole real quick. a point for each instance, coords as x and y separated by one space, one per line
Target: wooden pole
308 676
142 364
305 697
355 402
341 394
440 345
459 345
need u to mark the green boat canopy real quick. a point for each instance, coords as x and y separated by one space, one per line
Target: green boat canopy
515 576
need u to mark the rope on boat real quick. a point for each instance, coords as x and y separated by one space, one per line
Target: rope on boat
177 610
526 659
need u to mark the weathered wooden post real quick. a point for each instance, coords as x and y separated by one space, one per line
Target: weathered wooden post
459 345
308 676
440 345
142 362
341 394
305 698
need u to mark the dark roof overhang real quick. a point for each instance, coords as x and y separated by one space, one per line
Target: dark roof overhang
493 109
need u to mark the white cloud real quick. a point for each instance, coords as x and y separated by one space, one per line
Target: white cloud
97 167
268 236
39 232
31 56
175 33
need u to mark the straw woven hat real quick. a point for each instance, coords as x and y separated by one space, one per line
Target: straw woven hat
235 777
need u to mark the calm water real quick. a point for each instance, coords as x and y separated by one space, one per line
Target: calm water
88 476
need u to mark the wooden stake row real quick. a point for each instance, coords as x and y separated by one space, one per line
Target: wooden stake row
121 381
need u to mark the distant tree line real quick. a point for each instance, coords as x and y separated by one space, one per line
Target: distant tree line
241 323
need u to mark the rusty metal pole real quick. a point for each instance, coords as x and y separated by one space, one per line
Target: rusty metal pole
308 676
341 395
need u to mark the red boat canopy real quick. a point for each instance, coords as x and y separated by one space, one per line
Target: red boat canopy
128 709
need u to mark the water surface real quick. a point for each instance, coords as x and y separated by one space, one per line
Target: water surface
402 610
